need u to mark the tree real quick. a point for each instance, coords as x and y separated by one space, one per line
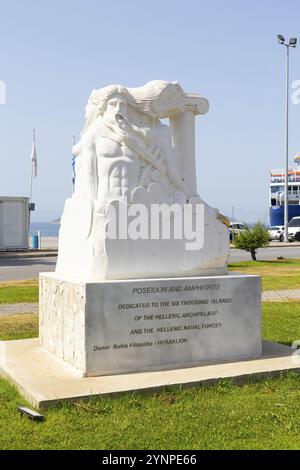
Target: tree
251 239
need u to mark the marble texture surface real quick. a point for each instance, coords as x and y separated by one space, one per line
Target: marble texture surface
62 319
111 327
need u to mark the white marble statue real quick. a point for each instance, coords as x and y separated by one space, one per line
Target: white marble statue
127 158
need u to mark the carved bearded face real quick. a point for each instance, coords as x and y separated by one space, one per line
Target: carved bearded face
115 105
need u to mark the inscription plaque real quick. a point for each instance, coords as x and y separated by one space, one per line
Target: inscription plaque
136 325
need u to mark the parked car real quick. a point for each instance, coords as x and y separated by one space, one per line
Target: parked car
294 229
276 233
235 228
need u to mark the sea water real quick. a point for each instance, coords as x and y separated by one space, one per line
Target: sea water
47 229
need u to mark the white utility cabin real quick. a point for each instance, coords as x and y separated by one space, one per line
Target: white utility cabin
14 223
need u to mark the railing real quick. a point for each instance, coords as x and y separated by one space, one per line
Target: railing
281 179
279 198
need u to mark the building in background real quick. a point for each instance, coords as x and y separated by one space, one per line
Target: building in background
276 197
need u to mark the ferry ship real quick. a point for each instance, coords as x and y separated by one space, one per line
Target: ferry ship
276 196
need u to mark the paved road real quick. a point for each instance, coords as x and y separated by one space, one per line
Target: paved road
267 253
29 268
25 268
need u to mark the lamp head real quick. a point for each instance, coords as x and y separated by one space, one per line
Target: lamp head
280 38
293 42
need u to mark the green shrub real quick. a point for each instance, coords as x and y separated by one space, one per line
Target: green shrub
252 238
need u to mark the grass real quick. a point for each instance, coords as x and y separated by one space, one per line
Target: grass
276 275
281 322
261 414
19 291
18 327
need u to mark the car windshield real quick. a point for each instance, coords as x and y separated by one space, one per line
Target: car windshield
294 223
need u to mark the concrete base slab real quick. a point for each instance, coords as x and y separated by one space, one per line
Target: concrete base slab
45 380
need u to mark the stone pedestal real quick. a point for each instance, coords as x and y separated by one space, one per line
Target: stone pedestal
112 327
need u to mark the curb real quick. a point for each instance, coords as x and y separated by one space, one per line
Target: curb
279 245
29 254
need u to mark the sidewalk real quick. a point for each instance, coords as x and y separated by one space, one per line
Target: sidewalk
49 247
15 309
267 296
280 295
281 244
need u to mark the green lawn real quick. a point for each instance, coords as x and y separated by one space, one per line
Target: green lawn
19 291
261 414
276 275
18 327
281 322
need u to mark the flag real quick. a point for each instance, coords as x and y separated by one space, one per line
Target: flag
34 160
73 171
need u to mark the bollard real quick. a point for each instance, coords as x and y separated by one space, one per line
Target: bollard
35 242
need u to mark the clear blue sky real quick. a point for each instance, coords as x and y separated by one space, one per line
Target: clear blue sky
53 53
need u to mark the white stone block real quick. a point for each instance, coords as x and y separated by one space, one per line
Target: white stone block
138 174
110 327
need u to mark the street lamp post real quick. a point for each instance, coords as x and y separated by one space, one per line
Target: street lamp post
292 43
